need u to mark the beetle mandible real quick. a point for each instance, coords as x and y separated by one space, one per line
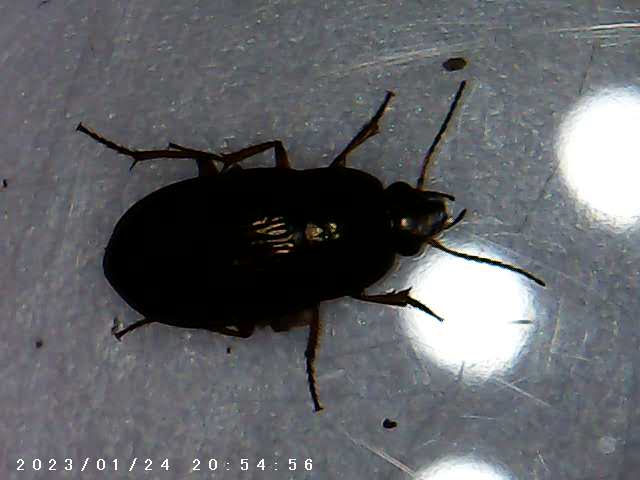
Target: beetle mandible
237 248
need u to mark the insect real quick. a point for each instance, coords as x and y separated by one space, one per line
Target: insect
234 249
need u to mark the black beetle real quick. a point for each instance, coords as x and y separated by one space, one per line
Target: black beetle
238 248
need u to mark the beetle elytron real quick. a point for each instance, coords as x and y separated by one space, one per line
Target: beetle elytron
237 248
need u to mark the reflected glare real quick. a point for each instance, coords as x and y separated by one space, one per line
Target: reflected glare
480 305
464 468
599 152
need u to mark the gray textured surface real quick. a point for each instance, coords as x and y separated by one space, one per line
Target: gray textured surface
475 398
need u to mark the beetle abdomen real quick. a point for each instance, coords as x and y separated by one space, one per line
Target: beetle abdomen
252 242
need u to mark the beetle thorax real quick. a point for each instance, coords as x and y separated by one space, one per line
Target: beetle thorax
415 216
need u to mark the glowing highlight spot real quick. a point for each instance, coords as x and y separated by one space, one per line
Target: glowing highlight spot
599 152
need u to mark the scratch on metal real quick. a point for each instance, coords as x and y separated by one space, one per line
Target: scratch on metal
332 375
556 332
461 372
594 47
477 417
599 28
570 355
415 54
401 58
541 459
382 454
523 392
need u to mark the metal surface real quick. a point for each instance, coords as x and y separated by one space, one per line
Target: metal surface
543 153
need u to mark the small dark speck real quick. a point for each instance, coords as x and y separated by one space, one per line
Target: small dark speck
228 349
43 2
453 64
39 343
5 184
389 424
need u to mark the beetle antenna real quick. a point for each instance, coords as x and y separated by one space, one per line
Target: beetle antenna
473 258
436 141
310 353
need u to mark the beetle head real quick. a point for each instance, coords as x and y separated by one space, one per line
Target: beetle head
416 216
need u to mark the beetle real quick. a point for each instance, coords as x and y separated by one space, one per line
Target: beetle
233 249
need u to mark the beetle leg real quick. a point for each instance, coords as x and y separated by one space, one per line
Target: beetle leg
399 299
203 170
204 159
282 159
310 354
370 129
230 159
308 316
115 330
206 167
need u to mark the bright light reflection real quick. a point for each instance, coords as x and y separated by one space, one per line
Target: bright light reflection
599 152
480 304
467 468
